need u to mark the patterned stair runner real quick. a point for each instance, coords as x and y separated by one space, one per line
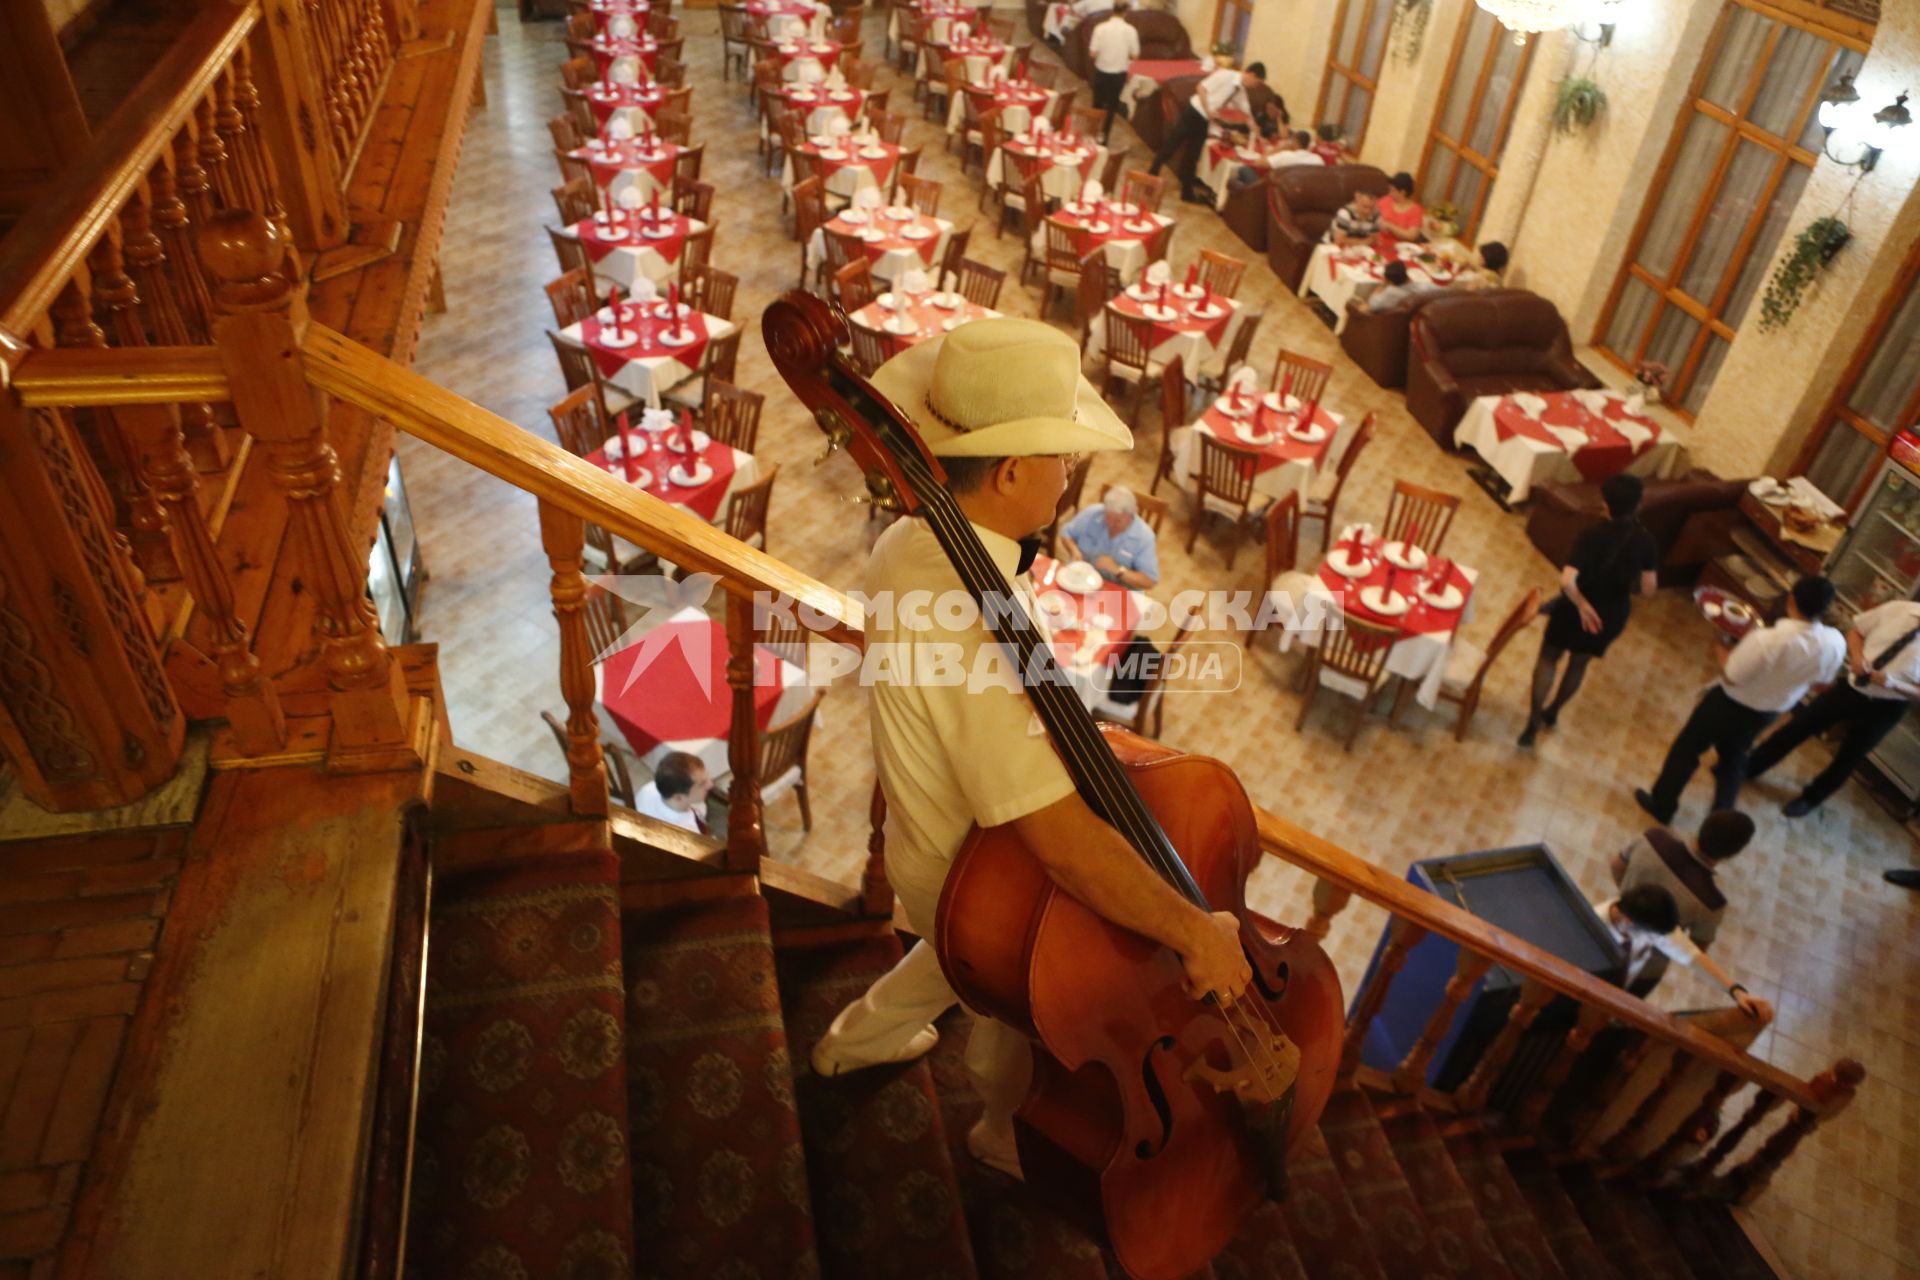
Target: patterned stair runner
1614 1226
1724 1241
886 1202
719 1173
1660 1257
1464 1244
1502 1207
1559 1218
1378 1189
1263 1250
1327 1233
521 1165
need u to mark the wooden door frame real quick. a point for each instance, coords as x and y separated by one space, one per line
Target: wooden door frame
1489 166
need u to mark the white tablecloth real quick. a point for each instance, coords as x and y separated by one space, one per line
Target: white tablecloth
1191 344
1015 117
897 259
1524 462
1217 171
1063 179
1293 475
1334 286
648 377
627 264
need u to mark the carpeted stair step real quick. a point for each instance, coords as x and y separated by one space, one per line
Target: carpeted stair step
1504 1210
1328 1236
521 1164
719 1173
1579 1253
1461 1239
1624 1225
1689 1236
886 1201
1378 1190
1263 1250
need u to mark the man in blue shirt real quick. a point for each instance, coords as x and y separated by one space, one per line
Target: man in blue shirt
1112 537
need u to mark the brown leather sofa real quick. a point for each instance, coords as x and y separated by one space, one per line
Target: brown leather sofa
1301 202
1377 340
1037 17
1245 213
1490 343
1163 38
1689 518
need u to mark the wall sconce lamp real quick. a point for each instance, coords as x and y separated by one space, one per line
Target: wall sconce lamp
1596 28
1859 137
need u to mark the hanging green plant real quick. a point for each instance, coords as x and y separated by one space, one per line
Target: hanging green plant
1410 28
1577 104
1813 251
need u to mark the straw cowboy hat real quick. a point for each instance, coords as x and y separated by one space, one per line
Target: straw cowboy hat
1001 388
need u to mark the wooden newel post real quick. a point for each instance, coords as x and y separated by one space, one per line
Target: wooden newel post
746 830
564 537
1329 900
259 323
876 894
1833 1090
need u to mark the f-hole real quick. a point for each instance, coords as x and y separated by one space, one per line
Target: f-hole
1280 977
1146 1148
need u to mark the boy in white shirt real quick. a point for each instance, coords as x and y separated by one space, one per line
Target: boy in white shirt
678 792
1114 45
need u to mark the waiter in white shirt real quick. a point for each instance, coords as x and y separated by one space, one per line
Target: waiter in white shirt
1883 680
1114 45
1222 90
1767 673
678 792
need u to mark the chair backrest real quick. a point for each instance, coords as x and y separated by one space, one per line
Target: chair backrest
869 346
922 194
1283 536
809 207
1357 649
979 283
1519 620
1144 189
578 73
663 26
572 168
676 127
723 356
1116 161
1033 211
992 138
1419 515
1242 343
783 635
1148 715
854 284
566 248
906 166
680 99
686 165
732 415
1173 396
566 135
606 620
1060 108
747 509
1221 272
1068 504
570 296
580 112
859 73
707 288
1226 471
1303 376
1129 340
693 200
733 23
576 363
1063 247
1090 299
784 746
1044 74
580 26
1345 466
1152 510
1002 29
956 253
1160 243
576 422
670 71
877 99
842 249
890 125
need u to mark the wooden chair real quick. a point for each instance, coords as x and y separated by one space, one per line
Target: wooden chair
1351 660
1062 262
1212 375
1283 577
573 199
870 349
809 215
860 74
907 167
980 284
839 249
1090 303
1143 189
571 297
663 26
1223 485
571 254
686 165
1159 244
1002 29
1152 510
1033 219
619 778
732 415
876 104
766 79
580 26
1467 666
890 125
955 255
1044 74
698 249
670 71
580 113
1304 377
579 73
1324 496
734 49
920 194
746 517
1419 515
1085 122
853 284
719 365
566 134
572 169
680 99
580 369
1144 717
1068 504
693 200
1173 415
576 422
1060 110
675 127
1221 272
783 759
605 618
670 51
1116 161
1129 356
709 289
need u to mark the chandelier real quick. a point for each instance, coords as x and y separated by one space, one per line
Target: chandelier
1526 17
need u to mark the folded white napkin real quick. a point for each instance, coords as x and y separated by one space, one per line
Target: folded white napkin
1636 404
1636 434
868 198
1572 439
1530 404
996 74
807 71
959 31
835 80
620 128
1365 530
629 198
839 127
644 289
1591 401
1042 125
1245 379
914 281
1091 190
622 27
624 71
1158 274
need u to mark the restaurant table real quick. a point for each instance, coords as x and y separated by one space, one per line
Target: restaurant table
940 19
1064 165
1289 455
1427 633
621 22
789 19
1018 103
1119 231
1335 273
982 53
618 166
1220 160
1533 438
626 246
647 363
806 60
667 691
824 107
634 103
1186 322
896 239
607 51
850 167
1145 77
1087 633
922 316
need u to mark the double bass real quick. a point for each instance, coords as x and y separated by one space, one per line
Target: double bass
1159 1120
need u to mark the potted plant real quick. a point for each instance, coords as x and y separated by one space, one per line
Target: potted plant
1410 28
1652 376
1443 220
1577 104
1813 250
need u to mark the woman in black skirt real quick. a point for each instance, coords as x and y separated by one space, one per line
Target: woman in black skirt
1610 561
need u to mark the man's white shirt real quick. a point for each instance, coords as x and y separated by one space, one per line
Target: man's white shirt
1114 45
1771 669
1218 91
1880 629
650 803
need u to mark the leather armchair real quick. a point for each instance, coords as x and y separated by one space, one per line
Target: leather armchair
1377 340
1301 202
1245 213
1689 518
1163 38
1468 344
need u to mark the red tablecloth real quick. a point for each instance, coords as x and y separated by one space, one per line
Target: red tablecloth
606 99
764 9
1606 453
1183 321
1140 226
894 242
1002 93
825 52
1047 151
1076 613
1386 249
607 51
649 330
972 47
1421 618
624 232
679 688
1164 70
617 157
811 98
1282 448
604 15
880 166
929 320
657 460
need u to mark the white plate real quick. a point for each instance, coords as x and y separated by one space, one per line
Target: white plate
1055 606
800 95
1377 601
917 233
1126 210
945 301
618 341
615 447
1273 401
1313 433
898 212
1075 208
1710 608
1207 313
822 140
1182 291
833 153
853 217
1248 435
875 153
701 475
901 326
657 232
873 235
676 337
1737 612
1356 568
843 97
1144 225
1098 228
1225 405
1140 292
642 477
1447 599
1154 311
1402 556
1080 578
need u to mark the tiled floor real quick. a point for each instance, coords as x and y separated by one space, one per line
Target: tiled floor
1813 927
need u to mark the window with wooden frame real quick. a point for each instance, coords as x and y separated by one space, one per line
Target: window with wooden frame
1469 131
1353 67
1747 139
1879 395
1231 23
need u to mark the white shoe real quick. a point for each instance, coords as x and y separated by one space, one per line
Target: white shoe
830 1060
995 1148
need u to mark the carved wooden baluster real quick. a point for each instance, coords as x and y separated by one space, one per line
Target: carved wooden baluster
215 161
162 295
340 51
262 320
1402 936
173 221
876 895
1468 969
1542 1093
1621 1145
563 536
243 189
252 148
1833 1090
252 707
319 44
1696 1176
1693 1129
1329 900
746 831
1593 1108
375 49
1472 1095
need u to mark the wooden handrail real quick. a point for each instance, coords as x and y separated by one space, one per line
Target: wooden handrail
51 243
89 377
1281 839
421 408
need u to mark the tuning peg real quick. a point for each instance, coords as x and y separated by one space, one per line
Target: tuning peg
839 434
